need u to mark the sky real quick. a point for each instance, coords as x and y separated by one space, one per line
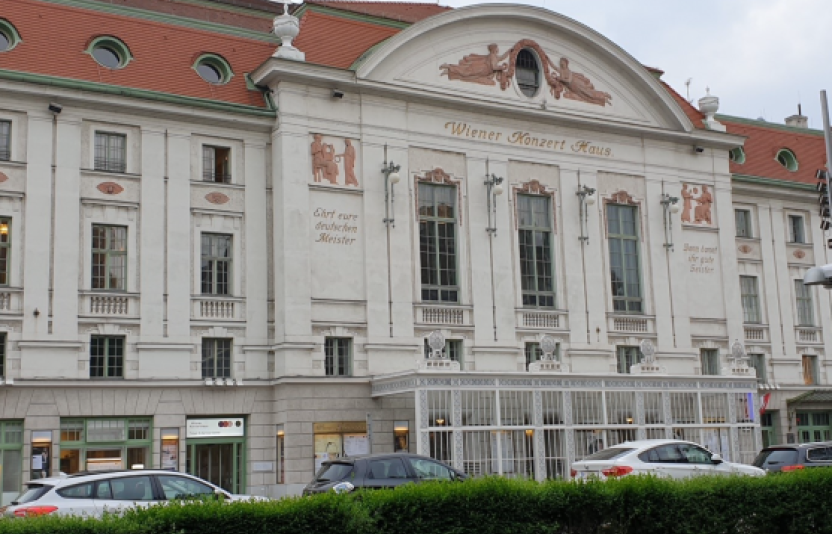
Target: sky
760 57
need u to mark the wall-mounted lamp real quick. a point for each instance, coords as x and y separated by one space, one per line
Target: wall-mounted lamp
391 178
4 228
670 207
698 149
55 108
586 196
494 187
337 93
36 313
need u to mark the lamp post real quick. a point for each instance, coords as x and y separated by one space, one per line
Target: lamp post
670 207
391 178
494 187
586 195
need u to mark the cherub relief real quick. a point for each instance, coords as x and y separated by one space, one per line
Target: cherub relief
574 85
478 68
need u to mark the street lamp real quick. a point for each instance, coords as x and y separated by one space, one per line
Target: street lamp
586 195
494 187
670 206
391 178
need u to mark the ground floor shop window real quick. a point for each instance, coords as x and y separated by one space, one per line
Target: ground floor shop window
813 426
11 459
99 444
339 439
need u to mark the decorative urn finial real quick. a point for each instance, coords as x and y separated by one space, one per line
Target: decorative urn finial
709 105
287 27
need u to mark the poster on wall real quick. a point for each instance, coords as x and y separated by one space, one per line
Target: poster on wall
327 447
355 444
170 454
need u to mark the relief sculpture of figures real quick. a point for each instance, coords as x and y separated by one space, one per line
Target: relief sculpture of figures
478 68
324 166
687 197
349 163
702 213
491 69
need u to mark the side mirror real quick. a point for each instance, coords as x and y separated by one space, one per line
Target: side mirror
343 487
716 459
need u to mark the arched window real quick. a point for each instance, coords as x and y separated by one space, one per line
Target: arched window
527 70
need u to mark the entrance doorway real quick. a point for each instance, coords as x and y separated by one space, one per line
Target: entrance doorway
219 463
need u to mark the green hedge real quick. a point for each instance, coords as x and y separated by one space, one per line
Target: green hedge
797 503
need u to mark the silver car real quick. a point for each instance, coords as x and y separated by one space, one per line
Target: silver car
94 493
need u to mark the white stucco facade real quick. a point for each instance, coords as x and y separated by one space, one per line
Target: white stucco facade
312 259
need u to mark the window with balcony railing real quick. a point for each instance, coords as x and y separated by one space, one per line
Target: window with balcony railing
805 308
216 264
625 262
750 300
437 243
110 152
534 233
216 164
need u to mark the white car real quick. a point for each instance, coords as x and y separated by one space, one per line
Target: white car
94 493
665 458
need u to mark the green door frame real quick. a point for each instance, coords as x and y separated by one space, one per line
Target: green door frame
192 443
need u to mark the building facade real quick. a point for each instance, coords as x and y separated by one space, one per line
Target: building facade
505 252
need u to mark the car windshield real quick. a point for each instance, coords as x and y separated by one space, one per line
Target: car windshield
776 457
609 454
334 471
33 492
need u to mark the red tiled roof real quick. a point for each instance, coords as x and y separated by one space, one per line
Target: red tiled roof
764 142
214 11
335 41
695 116
55 37
402 11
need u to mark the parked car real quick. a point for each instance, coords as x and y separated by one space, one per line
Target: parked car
376 471
666 458
94 493
794 456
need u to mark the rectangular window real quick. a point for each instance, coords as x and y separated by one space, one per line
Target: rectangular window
5 249
625 264
437 243
2 354
709 360
5 140
796 233
810 370
106 357
338 356
758 362
452 350
216 264
535 238
281 455
216 164
109 257
743 220
627 357
110 152
805 309
216 358
750 299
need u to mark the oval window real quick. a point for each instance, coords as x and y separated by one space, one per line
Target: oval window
209 73
107 57
9 38
787 159
5 42
528 72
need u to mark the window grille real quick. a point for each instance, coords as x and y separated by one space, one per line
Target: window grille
621 407
588 442
535 239
625 263
216 358
552 404
516 408
714 409
478 408
587 408
437 243
683 408
440 407
109 257
217 254
554 447
742 218
442 445
338 356
750 299
653 408
478 453
110 152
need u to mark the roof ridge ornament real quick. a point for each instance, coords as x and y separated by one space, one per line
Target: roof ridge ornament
286 27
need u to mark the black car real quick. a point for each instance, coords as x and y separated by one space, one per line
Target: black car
377 471
794 456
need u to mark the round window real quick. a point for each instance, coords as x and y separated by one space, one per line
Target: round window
737 155
106 57
5 42
209 73
787 159
528 72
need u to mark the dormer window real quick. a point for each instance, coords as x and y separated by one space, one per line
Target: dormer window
787 159
213 69
737 155
9 38
528 72
110 53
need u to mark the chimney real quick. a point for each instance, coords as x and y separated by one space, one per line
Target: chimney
799 120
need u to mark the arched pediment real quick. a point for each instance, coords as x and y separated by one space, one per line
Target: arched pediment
472 52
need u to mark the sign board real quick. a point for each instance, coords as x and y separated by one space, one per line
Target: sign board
215 428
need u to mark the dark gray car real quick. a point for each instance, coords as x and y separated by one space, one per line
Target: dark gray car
378 471
794 456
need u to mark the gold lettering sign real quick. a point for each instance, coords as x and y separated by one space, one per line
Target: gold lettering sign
526 139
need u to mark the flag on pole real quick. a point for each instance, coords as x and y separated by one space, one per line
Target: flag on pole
764 403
